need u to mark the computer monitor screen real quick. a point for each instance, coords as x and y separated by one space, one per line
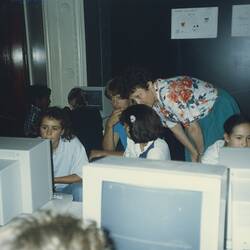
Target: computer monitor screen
128 201
33 169
10 184
96 98
238 219
235 158
159 205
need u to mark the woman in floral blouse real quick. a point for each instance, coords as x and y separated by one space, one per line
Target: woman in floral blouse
194 110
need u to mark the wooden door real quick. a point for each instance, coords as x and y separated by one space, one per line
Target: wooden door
13 68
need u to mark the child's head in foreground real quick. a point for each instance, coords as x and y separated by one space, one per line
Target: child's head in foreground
47 231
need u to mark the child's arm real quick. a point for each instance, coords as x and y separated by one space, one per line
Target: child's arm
110 139
194 132
73 178
99 153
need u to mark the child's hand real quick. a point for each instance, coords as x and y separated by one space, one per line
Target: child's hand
114 118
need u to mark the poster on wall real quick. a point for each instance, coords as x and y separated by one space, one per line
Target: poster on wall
241 20
192 23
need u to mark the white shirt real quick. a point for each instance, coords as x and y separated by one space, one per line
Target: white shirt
211 155
69 158
160 151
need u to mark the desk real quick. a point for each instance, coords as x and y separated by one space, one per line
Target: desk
63 204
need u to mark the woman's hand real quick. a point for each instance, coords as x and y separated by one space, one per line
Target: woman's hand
183 138
195 157
195 134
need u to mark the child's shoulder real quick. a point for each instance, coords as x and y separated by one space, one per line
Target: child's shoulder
73 146
160 142
72 142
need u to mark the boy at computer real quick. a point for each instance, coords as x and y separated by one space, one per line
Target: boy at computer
69 155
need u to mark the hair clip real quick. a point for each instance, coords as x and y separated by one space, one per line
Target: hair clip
132 118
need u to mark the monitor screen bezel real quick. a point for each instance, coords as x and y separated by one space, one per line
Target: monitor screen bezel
211 189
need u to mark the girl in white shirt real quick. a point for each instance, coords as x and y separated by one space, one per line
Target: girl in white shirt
144 129
236 134
69 155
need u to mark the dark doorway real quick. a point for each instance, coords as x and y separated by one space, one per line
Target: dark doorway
13 68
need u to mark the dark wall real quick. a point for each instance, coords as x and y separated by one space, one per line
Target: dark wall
97 21
138 32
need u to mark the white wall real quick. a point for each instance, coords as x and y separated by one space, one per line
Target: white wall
65 45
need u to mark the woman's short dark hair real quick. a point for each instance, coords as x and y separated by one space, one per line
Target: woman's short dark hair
234 121
116 86
135 77
59 115
143 122
79 97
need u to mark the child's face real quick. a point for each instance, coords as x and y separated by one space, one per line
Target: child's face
240 137
144 96
118 102
51 129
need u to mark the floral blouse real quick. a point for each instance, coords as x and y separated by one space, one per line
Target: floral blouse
183 99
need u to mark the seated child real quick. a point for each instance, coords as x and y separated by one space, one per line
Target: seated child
39 100
236 134
114 131
86 121
115 137
144 129
69 155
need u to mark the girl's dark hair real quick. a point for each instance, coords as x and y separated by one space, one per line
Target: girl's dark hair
143 122
234 121
79 96
116 86
59 115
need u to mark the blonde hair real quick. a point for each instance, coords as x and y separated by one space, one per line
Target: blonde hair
47 231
